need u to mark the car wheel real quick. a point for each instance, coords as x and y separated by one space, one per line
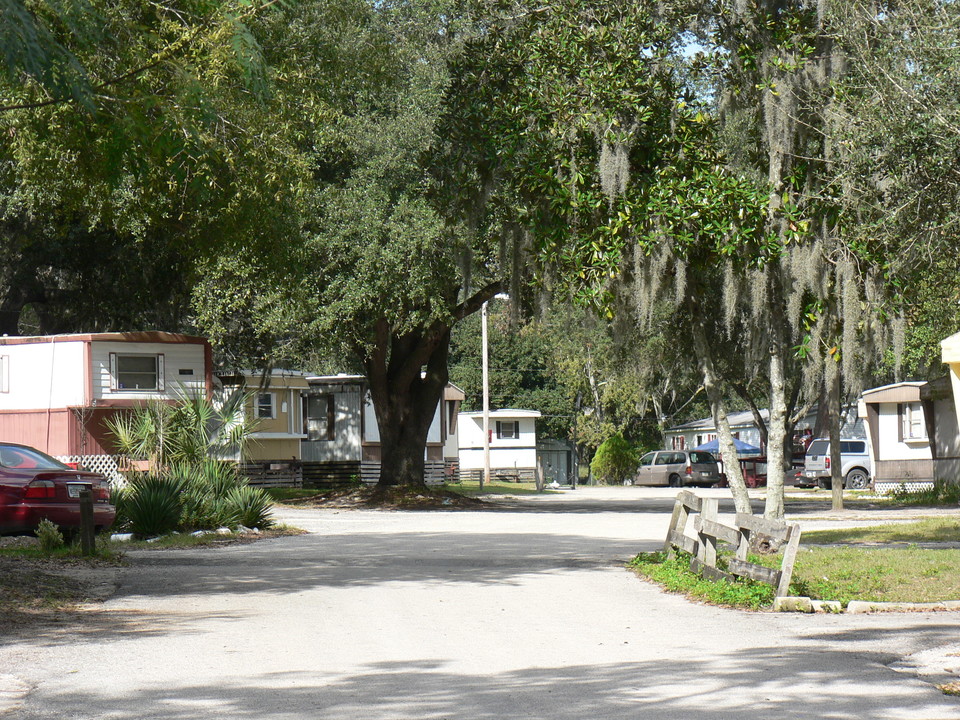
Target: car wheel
824 483
857 479
675 481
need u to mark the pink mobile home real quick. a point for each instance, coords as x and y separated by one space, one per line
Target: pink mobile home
56 391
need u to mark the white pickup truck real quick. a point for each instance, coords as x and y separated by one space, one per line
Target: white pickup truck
856 466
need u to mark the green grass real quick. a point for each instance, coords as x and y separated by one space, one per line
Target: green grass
675 575
471 488
930 530
839 572
104 551
909 574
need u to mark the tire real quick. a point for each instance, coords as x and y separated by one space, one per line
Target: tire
824 483
675 481
857 479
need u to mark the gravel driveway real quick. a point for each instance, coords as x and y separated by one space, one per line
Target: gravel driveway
519 611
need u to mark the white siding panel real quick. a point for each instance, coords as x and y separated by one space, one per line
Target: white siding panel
888 430
176 357
500 458
44 375
471 432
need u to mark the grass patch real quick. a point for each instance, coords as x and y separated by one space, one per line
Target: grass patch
675 575
471 488
928 530
842 573
30 549
908 574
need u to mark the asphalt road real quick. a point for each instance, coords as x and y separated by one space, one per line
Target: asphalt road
522 611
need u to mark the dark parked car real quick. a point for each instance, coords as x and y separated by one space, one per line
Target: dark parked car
34 486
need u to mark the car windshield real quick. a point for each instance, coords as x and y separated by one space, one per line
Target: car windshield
819 447
14 456
701 457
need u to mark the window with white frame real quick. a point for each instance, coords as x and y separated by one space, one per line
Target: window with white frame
266 406
4 373
136 373
508 429
913 426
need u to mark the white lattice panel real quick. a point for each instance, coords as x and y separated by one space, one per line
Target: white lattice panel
106 465
882 488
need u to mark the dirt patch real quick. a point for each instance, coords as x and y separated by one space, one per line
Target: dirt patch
34 590
391 498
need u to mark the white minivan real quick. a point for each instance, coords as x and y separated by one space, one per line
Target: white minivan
856 466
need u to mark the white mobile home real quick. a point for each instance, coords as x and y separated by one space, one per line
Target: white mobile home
513 442
56 391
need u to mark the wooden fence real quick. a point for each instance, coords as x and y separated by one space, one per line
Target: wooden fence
327 475
709 530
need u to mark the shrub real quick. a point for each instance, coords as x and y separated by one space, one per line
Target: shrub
250 507
152 504
49 536
615 460
206 486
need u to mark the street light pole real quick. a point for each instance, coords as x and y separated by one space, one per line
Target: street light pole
485 478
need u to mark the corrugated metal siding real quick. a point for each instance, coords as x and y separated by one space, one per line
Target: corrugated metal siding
52 431
345 447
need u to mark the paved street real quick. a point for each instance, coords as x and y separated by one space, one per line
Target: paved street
519 611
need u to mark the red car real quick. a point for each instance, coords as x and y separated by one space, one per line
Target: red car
34 486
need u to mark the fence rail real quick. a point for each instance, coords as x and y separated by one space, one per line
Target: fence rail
703 547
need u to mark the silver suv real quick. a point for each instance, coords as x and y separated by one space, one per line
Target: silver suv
856 466
677 468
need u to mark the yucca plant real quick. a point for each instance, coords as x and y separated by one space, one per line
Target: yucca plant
250 507
153 504
205 487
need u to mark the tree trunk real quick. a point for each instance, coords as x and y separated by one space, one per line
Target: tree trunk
405 398
728 450
833 401
776 431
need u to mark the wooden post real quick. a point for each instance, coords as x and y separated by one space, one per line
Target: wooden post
707 552
789 558
88 539
678 521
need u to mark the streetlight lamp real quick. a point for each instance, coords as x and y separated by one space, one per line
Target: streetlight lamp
486 390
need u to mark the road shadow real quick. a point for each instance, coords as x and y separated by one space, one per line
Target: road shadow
783 681
297 563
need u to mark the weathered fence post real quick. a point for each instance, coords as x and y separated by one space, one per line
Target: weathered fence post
789 558
88 538
685 502
707 554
